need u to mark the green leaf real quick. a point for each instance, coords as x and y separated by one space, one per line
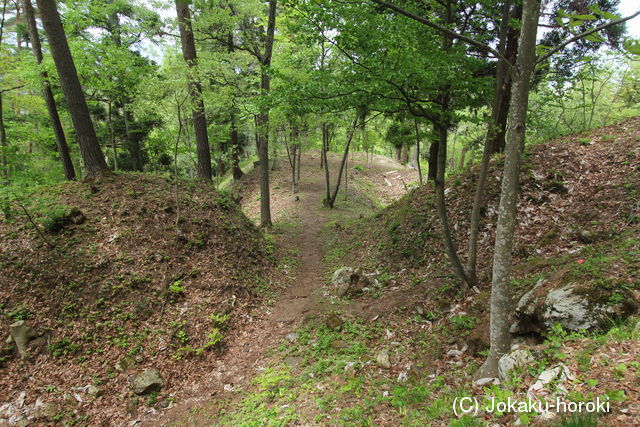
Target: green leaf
584 17
632 46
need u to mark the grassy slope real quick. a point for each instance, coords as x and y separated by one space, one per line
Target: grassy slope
580 183
121 285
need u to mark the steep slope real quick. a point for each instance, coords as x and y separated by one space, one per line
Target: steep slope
115 276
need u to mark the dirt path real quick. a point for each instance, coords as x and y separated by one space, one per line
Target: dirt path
299 221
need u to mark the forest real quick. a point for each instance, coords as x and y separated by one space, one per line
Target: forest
320 212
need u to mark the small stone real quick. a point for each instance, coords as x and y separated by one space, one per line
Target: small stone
68 399
454 353
485 381
513 360
292 337
21 335
46 410
334 321
93 391
338 344
350 368
294 362
147 381
383 360
547 416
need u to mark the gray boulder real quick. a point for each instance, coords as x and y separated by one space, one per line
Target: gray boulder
348 281
510 361
574 306
147 381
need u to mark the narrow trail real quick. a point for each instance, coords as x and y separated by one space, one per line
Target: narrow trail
247 353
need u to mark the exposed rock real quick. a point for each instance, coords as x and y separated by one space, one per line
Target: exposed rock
560 372
46 410
334 321
94 391
350 368
125 363
292 337
348 281
485 381
147 381
586 236
294 362
513 360
21 334
339 344
383 360
575 306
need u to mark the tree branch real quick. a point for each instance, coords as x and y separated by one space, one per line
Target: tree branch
442 29
581 35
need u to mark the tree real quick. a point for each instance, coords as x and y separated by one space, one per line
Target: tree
93 158
501 304
3 131
262 119
47 93
198 115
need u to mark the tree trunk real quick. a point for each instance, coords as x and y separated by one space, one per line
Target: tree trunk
332 199
441 206
263 119
133 139
195 90
3 147
404 154
493 128
235 150
323 157
505 83
112 137
47 94
433 161
92 155
501 304
417 153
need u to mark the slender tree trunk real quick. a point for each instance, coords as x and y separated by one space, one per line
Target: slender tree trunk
505 82
133 138
325 142
3 132
415 122
306 136
3 147
235 150
47 93
433 161
501 303
92 155
404 154
332 199
263 120
441 206
195 90
493 128
112 137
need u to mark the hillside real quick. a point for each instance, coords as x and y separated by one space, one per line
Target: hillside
121 278
404 344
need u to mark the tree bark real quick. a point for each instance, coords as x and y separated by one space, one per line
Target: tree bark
195 90
236 171
47 94
323 157
441 206
263 119
504 83
433 161
501 304
3 132
92 156
418 151
489 148
332 199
